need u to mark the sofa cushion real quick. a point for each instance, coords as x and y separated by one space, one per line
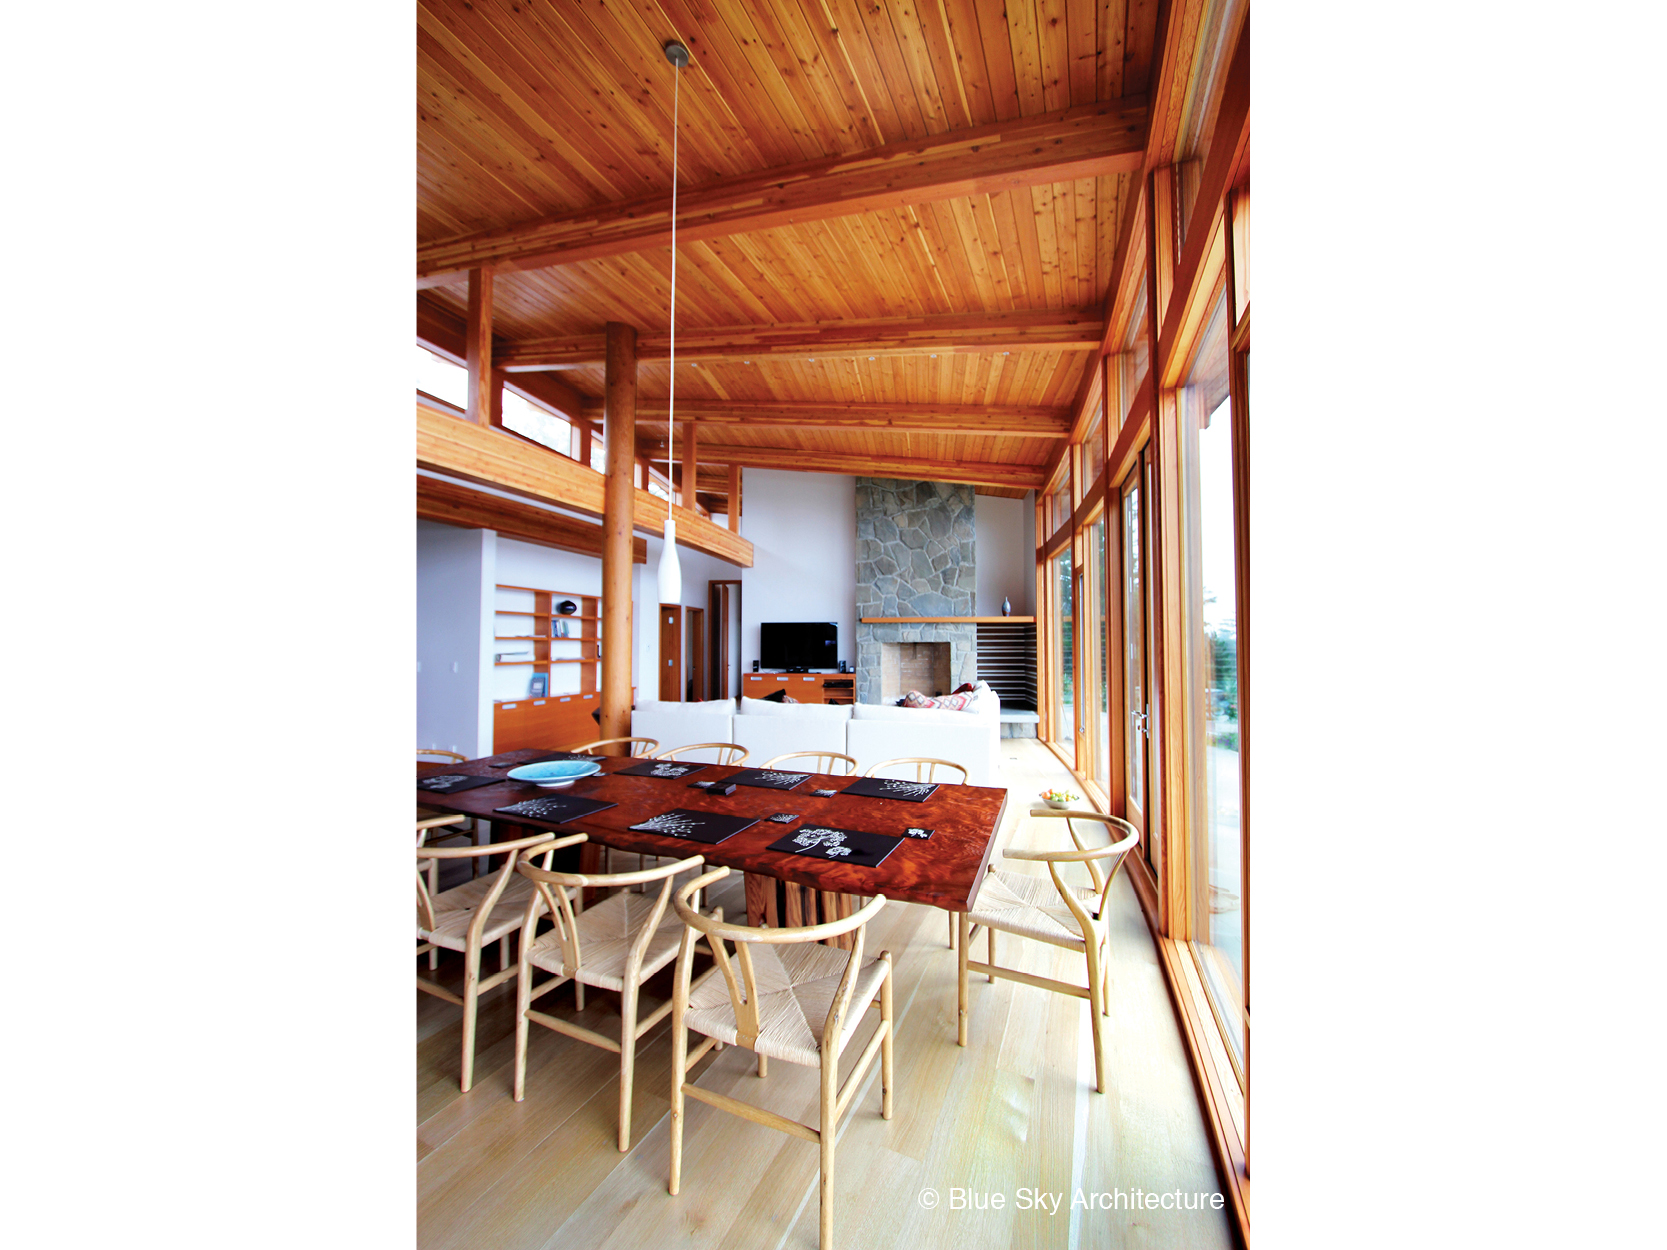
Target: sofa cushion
910 715
799 711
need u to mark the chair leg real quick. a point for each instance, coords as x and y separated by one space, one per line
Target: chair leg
1094 1001
991 934
828 1131
433 889
523 999
763 1066
471 991
1105 984
885 1044
627 1061
503 952
961 978
679 1057
951 916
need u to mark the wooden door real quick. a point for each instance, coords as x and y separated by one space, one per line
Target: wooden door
671 653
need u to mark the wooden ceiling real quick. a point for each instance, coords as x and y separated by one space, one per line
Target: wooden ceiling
896 220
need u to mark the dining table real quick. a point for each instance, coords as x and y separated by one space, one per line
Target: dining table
946 837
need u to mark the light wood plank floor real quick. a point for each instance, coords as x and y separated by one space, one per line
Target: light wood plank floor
1015 1110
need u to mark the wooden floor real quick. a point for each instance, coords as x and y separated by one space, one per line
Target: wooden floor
1015 1110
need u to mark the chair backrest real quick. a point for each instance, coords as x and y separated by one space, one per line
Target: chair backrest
425 900
633 746
925 768
555 903
743 990
435 753
826 761
1101 858
722 752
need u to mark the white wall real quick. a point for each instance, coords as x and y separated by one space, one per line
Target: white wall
455 573
1006 554
803 529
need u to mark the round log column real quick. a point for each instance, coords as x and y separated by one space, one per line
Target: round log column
620 432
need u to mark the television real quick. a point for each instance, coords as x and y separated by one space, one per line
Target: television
798 644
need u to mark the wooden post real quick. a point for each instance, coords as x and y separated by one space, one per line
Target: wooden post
620 436
734 504
689 494
477 346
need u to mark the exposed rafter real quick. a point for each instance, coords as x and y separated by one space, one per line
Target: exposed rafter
883 336
975 419
1013 476
1106 138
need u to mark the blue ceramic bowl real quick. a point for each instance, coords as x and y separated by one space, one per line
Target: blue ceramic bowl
553 774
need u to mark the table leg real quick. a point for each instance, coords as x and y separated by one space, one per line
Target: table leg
760 897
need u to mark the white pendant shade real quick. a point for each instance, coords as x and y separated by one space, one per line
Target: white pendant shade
671 572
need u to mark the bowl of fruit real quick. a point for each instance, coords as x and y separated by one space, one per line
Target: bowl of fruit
1059 798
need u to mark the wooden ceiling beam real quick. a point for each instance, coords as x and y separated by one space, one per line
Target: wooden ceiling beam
1084 142
454 504
973 419
1013 476
459 448
880 336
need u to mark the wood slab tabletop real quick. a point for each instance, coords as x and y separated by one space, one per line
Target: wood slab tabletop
942 871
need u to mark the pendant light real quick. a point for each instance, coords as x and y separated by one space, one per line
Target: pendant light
671 574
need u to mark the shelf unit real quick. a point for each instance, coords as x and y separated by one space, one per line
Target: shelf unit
555 719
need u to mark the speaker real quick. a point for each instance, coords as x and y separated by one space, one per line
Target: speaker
755 666
844 667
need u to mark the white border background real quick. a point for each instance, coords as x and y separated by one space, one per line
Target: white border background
1457 582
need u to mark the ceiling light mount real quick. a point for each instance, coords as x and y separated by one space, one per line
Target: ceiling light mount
676 53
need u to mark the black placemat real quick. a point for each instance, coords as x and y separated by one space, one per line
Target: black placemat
708 827
846 846
769 778
660 768
913 832
555 755
556 809
454 783
890 788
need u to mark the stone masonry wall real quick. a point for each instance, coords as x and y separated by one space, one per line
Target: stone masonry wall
916 556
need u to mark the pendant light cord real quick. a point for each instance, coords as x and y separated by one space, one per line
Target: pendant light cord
671 399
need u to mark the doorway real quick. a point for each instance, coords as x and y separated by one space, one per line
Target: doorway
724 647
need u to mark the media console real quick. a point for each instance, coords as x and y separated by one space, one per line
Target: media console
805 687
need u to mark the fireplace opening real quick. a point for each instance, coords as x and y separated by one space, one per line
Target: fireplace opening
906 666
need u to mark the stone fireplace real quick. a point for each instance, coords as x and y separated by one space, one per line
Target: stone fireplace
916 556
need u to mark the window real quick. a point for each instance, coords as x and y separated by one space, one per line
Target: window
438 377
530 421
1093 454
1213 677
1065 713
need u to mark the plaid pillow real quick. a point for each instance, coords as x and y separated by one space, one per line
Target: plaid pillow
953 702
915 699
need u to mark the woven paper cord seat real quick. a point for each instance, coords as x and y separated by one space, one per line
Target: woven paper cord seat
606 934
796 986
1031 907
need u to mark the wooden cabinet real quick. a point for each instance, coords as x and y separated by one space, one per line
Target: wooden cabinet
805 687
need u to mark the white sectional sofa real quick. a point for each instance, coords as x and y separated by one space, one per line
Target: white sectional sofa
870 732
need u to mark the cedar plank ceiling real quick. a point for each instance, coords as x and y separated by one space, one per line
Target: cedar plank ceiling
528 109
